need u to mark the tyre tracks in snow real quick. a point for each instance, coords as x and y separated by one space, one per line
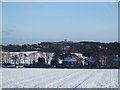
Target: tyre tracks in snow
68 80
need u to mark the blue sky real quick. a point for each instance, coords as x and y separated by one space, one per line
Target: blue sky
33 22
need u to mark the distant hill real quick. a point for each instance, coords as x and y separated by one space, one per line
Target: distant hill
87 48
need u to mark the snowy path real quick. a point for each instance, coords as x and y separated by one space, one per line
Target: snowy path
59 78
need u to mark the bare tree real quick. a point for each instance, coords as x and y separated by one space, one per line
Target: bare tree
47 57
40 54
20 57
3 58
31 57
14 58
8 57
0 57
34 56
25 55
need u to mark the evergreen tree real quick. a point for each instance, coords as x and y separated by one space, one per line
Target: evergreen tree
54 61
41 61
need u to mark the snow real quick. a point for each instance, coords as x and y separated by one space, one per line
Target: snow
59 78
27 57
80 55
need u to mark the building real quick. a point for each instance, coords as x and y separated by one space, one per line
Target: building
116 62
72 62
92 60
103 61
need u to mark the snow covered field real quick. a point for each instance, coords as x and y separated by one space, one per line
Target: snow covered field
59 78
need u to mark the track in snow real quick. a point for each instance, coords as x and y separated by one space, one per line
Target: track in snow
59 78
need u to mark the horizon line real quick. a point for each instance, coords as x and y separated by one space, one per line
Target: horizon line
61 41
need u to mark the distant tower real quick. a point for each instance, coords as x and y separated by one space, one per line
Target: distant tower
65 40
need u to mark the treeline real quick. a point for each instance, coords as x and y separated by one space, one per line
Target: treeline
86 48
